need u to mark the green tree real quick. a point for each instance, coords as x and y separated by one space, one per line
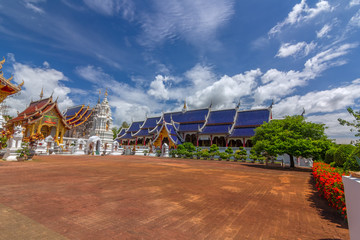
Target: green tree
124 125
342 153
293 136
355 124
115 131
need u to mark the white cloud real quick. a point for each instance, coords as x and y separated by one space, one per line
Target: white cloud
324 31
195 21
158 89
279 84
31 4
36 78
342 134
301 12
225 91
354 3
300 48
319 102
93 74
355 20
112 7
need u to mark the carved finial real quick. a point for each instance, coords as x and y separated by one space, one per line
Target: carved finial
238 104
42 93
57 99
272 103
302 114
210 104
2 62
10 78
21 84
106 93
185 106
99 96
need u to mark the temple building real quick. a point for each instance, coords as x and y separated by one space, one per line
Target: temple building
202 127
42 116
86 122
6 87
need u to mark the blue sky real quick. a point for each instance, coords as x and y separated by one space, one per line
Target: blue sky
153 54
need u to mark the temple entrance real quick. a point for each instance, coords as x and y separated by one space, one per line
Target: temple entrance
97 149
45 130
235 143
165 140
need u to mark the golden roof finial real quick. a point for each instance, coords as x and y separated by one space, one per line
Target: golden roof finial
99 96
42 93
106 93
10 78
2 62
185 104
21 84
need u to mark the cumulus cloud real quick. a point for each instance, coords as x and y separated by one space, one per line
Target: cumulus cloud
301 12
36 78
320 101
278 84
158 89
194 21
324 31
300 48
225 91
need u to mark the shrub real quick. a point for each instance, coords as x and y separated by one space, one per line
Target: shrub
205 153
330 186
330 154
223 155
198 152
241 154
351 162
343 153
189 147
213 148
173 153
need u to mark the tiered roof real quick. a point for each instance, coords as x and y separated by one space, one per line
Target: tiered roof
219 122
6 87
134 127
247 121
77 115
36 110
229 122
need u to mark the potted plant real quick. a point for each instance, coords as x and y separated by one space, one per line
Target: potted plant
205 154
24 152
158 153
213 151
229 152
223 155
173 153
198 153
241 154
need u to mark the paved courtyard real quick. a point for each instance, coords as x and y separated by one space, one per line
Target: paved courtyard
135 197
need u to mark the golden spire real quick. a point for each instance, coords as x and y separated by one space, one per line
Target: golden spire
42 93
185 104
106 93
99 96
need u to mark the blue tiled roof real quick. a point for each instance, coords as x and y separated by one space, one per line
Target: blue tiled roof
135 126
216 129
151 122
126 136
222 116
190 127
122 132
243 132
251 118
142 133
172 133
188 116
72 111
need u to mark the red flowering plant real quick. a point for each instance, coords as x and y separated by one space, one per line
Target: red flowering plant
32 140
330 186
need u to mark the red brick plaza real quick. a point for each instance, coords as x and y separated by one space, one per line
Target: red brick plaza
134 197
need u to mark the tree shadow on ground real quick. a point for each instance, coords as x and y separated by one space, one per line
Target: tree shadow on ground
323 208
277 167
